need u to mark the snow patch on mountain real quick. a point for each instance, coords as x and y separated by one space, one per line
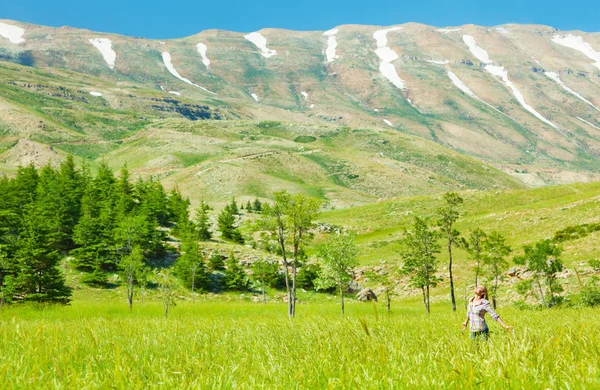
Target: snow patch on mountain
104 46
94 93
502 74
477 51
175 93
261 42
387 55
331 45
202 49
577 43
254 96
447 30
502 30
167 61
554 76
387 122
12 33
460 85
303 93
588 123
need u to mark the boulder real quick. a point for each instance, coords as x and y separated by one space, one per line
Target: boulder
365 295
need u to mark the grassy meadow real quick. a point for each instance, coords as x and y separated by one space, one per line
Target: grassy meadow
218 345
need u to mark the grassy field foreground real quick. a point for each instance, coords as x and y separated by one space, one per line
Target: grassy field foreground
242 345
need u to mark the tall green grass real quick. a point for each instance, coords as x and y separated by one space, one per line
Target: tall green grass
216 345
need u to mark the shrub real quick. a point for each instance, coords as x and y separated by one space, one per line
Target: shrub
590 294
305 139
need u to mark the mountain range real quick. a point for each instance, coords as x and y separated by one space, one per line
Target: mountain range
353 114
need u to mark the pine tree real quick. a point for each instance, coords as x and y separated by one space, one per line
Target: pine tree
235 277
38 277
234 207
227 226
249 207
257 206
216 262
203 222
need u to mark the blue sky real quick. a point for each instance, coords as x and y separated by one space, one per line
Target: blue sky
172 19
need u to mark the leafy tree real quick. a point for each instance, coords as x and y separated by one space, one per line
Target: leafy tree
38 277
167 288
307 276
543 259
133 270
191 267
338 254
388 279
203 222
475 246
235 278
290 218
494 259
420 247
590 294
448 214
266 273
227 226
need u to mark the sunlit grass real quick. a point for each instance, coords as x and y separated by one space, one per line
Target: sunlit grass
245 345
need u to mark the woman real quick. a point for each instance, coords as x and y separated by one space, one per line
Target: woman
478 305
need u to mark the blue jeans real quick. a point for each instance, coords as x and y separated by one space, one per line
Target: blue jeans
481 334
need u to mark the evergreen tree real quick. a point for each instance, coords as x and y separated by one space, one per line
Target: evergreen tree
235 278
257 206
234 207
203 222
179 212
216 262
38 277
249 207
71 183
227 226
124 193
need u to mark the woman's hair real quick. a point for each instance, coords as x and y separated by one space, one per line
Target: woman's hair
483 290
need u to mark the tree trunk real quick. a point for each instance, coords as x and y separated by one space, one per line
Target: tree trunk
477 273
193 284
428 302
166 310
389 301
537 281
424 299
294 273
494 292
130 292
450 271
342 296
287 270
549 283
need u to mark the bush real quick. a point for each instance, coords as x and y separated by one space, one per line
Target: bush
595 264
590 294
305 139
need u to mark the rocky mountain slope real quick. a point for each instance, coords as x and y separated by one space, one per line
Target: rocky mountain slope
524 99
